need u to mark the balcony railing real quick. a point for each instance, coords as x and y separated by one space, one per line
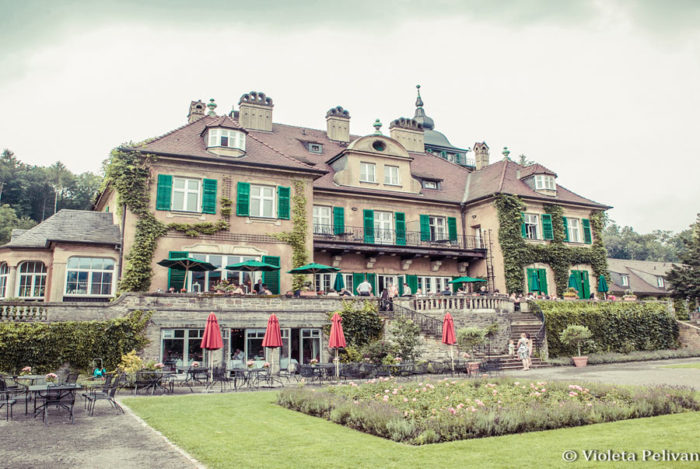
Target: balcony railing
358 235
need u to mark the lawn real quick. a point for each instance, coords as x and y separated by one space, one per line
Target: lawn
684 365
245 430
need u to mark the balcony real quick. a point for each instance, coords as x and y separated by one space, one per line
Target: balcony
406 243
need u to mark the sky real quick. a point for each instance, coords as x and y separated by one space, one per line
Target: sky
605 93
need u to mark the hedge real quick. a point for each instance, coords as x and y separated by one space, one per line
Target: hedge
616 327
45 347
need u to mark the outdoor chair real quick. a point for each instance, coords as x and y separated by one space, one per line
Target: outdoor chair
106 394
71 378
6 400
59 398
15 391
87 396
308 373
221 376
239 377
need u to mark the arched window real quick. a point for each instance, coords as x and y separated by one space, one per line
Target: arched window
32 280
91 276
4 273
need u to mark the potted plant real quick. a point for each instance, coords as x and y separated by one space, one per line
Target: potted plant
629 296
469 338
570 294
578 336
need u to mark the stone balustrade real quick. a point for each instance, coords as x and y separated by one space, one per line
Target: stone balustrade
460 303
22 312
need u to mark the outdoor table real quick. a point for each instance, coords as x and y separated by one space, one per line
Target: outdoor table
194 376
324 370
152 380
54 395
31 378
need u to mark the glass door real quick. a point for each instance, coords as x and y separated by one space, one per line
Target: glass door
383 227
310 345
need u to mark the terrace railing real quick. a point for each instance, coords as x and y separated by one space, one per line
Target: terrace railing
428 325
390 237
22 312
461 303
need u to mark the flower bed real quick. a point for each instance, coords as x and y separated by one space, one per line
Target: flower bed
435 411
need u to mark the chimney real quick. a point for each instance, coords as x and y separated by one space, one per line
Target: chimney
409 133
338 124
481 154
255 111
196 111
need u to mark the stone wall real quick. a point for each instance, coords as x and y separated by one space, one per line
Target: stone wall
689 335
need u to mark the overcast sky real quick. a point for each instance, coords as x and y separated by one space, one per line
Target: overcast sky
605 93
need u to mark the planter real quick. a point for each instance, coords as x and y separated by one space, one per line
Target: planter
571 297
580 362
630 297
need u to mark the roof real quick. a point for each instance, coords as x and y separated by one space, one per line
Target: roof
642 276
72 226
535 168
502 178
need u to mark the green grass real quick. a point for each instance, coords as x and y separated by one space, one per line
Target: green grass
248 430
684 365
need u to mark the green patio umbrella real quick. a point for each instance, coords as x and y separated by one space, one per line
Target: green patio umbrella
252 266
313 268
602 284
187 264
339 282
466 280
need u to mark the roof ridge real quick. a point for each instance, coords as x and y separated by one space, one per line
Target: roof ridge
144 143
443 159
503 175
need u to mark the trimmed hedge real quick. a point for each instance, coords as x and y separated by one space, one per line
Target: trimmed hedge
45 347
617 327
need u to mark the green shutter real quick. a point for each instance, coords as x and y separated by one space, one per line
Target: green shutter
586 286
531 280
455 286
372 279
400 229
566 229
547 231
577 281
587 238
523 229
338 220
369 226
243 199
400 280
176 278
283 202
412 281
209 196
542 279
452 228
164 192
272 278
356 280
424 228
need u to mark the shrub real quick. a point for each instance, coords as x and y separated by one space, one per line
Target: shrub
406 336
377 351
614 325
575 335
361 322
46 347
469 338
614 357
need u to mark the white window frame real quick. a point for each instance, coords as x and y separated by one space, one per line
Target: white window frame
228 275
438 228
434 284
477 237
261 198
365 174
625 280
188 335
383 227
660 282
90 276
36 280
187 194
234 138
430 185
532 226
315 148
391 175
545 182
323 219
574 231
4 276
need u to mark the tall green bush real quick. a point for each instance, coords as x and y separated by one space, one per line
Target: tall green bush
45 347
616 327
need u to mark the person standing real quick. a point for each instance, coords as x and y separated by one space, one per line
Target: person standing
364 288
523 351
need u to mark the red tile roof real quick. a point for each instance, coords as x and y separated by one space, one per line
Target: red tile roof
535 169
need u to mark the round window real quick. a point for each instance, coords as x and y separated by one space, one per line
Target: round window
379 145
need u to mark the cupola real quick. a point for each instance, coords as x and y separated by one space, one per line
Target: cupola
224 137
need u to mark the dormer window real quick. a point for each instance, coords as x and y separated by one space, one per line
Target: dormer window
227 138
315 148
430 184
545 182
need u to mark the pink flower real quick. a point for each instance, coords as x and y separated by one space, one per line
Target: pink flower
386 398
573 394
158 365
405 399
452 411
266 365
414 399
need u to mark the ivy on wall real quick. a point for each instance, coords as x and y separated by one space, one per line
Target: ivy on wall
518 253
296 237
129 173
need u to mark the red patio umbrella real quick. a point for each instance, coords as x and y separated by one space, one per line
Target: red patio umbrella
211 340
273 336
448 336
337 339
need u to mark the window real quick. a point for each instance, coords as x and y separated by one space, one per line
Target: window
430 184
323 223
531 226
227 138
391 175
262 201
181 347
315 148
89 276
625 280
4 273
437 228
543 181
477 237
432 285
574 227
254 347
32 280
205 281
367 172
325 282
186 194
660 282
383 227
310 345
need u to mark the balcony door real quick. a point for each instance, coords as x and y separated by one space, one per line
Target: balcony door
383 227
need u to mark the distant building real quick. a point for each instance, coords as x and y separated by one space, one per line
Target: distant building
642 278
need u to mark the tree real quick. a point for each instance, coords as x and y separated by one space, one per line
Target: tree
625 243
406 336
10 221
685 279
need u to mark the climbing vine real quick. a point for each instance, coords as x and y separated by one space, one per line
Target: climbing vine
296 237
129 173
517 253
